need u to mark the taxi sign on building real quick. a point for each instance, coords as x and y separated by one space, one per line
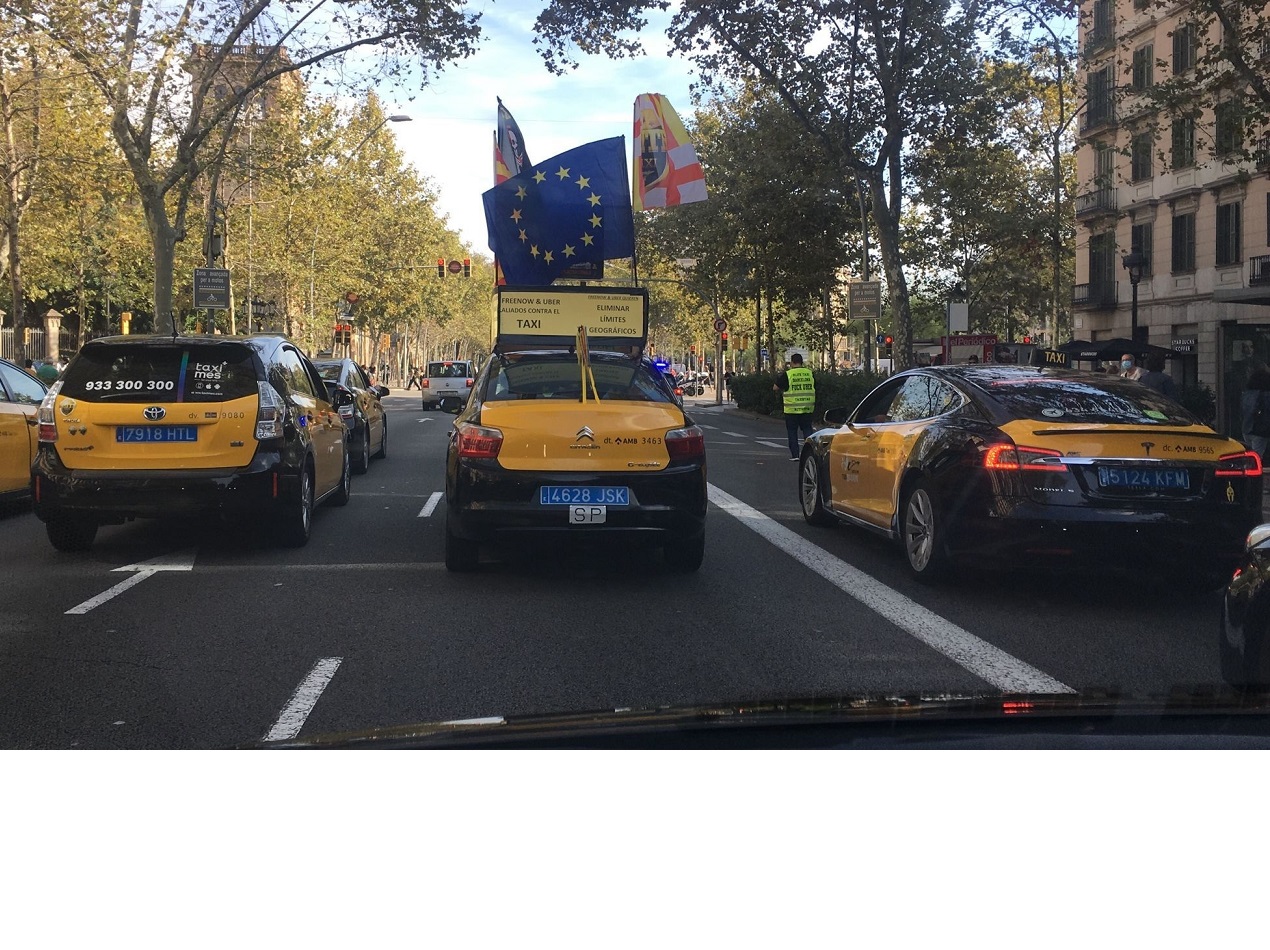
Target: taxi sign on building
528 317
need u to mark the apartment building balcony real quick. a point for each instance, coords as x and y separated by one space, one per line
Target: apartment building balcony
1101 296
1259 271
1098 201
1100 113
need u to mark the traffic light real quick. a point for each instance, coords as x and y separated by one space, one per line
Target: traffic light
724 337
467 267
440 266
888 341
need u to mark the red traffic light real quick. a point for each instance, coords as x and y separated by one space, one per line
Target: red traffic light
440 266
1027 339
890 340
692 348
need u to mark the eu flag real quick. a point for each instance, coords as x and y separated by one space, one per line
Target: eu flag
568 214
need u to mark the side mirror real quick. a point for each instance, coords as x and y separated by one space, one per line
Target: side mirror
837 416
343 398
382 391
1258 537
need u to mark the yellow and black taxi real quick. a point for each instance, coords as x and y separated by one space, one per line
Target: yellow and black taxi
149 426
1003 463
362 412
562 439
20 398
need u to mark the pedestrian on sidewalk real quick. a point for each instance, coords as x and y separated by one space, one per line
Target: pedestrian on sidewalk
1254 404
798 389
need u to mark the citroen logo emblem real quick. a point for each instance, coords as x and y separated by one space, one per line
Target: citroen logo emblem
584 433
154 413
1148 446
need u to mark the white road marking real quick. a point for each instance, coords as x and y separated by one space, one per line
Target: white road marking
291 719
424 419
478 721
1002 670
775 445
431 506
736 435
702 425
175 561
114 592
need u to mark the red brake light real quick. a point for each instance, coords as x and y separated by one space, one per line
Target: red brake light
1239 463
425 384
469 382
684 445
1008 457
479 442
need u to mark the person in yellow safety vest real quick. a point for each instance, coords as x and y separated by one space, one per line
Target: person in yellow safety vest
799 396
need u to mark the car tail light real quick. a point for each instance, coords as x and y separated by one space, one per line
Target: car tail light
469 382
425 384
685 445
45 417
478 442
1237 463
1008 457
270 415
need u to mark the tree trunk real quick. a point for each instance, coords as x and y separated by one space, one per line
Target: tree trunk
163 242
758 331
81 303
771 334
892 262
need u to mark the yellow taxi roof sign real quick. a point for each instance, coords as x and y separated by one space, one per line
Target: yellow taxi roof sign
616 318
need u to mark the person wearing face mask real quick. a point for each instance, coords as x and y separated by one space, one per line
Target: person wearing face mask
1129 369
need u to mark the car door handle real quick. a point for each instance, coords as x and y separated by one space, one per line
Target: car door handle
32 421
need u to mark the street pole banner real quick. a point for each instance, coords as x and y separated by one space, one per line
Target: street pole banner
864 299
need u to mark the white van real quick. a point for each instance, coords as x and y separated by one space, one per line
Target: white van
449 380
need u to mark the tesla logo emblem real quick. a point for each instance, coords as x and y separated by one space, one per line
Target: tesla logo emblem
584 433
154 413
1148 446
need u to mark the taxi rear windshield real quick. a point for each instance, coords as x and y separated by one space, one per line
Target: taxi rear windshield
447 370
329 371
193 373
561 378
1116 401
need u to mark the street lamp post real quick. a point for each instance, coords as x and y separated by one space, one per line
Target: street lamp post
1135 263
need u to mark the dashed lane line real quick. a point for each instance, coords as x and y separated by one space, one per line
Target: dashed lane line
990 663
292 718
431 506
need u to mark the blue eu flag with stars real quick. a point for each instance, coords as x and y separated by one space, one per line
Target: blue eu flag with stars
563 217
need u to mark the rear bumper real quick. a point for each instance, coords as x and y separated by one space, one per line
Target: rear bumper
485 501
1207 537
117 495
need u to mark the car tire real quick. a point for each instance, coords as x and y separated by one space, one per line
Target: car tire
809 491
295 522
461 555
922 533
684 555
383 441
68 533
345 490
363 455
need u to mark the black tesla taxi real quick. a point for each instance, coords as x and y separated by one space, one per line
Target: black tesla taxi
1001 463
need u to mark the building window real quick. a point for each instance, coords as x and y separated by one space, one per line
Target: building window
1102 264
1229 234
1140 238
1102 28
1100 104
1183 243
1228 133
1104 166
1183 142
1185 47
1143 68
1141 157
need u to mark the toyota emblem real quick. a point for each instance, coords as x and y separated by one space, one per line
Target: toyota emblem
154 413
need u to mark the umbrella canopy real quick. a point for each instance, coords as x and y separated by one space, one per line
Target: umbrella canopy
1111 349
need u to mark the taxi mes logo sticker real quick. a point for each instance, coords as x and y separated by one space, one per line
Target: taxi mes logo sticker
207 376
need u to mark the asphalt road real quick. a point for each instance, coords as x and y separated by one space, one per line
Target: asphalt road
193 636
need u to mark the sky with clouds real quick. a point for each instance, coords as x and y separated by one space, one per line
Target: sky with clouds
450 137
